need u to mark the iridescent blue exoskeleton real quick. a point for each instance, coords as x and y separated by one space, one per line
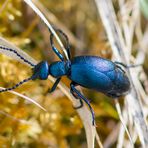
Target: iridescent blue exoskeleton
88 71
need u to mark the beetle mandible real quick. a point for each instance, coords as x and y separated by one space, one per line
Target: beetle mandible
91 72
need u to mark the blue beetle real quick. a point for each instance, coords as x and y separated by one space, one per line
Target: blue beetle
91 72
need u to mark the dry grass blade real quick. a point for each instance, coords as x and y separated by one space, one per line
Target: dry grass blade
26 98
122 121
98 140
120 47
5 43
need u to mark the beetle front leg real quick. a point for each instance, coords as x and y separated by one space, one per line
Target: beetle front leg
56 51
67 44
81 97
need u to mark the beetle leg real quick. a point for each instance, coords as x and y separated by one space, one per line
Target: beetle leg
67 42
81 97
120 68
56 51
80 106
67 45
81 103
76 97
55 85
119 63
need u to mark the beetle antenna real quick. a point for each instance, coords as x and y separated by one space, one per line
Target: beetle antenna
17 85
15 52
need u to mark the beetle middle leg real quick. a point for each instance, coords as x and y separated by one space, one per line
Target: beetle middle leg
81 97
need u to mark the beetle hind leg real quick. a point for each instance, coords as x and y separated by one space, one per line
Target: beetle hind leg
78 95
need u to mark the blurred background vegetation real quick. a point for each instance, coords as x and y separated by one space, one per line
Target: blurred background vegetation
22 124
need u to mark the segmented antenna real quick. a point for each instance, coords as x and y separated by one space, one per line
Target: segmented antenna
15 52
15 86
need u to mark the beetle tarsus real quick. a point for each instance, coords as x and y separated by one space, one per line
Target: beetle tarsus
76 97
80 106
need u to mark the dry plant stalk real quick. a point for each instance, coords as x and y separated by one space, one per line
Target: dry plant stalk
122 47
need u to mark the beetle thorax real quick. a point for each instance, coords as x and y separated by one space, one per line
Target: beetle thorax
58 69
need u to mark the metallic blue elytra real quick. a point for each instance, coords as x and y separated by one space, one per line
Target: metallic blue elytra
99 74
90 72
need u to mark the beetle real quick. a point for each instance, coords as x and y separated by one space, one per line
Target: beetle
91 72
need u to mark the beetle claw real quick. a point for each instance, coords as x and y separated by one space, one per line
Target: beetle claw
80 106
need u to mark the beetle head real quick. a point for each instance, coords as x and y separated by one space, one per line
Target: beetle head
41 71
